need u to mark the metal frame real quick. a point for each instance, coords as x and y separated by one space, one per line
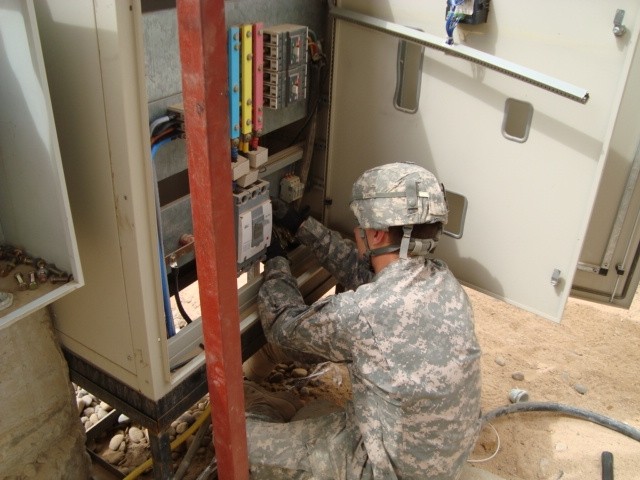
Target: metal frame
202 39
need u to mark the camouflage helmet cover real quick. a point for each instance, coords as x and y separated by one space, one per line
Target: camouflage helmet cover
398 194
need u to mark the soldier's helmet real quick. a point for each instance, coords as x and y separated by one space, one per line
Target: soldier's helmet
398 194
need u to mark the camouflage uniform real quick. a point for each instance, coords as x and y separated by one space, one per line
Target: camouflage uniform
406 334
407 338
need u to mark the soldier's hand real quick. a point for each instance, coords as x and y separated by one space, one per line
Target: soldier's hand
275 248
287 217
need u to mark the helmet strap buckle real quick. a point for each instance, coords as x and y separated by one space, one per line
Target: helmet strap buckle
406 239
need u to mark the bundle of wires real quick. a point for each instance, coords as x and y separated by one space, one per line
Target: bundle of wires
452 19
163 130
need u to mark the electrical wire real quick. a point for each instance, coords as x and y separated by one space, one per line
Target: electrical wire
601 420
607 422
169 132
185 315
482 460
159 121
452 19
168 315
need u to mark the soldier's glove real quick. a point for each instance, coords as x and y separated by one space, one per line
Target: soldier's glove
275 248
289 218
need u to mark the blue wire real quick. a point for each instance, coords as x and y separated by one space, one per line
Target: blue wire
452 19
168 316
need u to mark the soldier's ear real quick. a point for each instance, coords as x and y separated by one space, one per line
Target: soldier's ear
380 238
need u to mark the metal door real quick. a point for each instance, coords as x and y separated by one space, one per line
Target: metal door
608 269
528 201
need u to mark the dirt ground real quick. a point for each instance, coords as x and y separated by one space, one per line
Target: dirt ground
594 350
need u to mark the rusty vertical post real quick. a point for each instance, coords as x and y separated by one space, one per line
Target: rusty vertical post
202 34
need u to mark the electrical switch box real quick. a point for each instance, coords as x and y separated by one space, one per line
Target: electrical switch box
285 65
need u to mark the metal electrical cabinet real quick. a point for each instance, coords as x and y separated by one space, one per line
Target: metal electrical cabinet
35 219
114 66
525 205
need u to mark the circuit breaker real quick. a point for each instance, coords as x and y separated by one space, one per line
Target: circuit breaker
291 188
253 215
285 65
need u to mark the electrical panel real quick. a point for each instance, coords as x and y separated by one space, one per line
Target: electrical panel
285 65
117 220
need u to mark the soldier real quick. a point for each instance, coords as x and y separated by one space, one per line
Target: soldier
403 327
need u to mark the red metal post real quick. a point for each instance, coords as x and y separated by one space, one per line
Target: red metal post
202 33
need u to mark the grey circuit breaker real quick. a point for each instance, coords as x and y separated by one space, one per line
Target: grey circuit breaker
285 65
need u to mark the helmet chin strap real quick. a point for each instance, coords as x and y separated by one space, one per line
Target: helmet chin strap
408 247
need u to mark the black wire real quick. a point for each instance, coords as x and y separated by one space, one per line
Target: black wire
615 425
315 102
181 309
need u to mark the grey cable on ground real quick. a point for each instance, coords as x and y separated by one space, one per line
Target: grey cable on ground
608 422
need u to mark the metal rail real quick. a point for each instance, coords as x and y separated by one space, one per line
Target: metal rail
476 56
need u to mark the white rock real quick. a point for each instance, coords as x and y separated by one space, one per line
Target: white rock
187 418
181 427
122 418
116 440
299 373
561 447
580 388
136 435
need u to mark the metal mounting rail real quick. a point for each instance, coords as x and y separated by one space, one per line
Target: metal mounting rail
476 56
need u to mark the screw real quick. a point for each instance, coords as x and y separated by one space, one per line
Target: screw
60 278
32 281
55 270
42 274
21 283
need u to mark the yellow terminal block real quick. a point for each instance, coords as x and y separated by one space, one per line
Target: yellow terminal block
246 80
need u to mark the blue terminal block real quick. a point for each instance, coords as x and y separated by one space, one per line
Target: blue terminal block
233 45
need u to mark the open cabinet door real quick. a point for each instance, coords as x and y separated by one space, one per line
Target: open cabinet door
608 270
528 198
